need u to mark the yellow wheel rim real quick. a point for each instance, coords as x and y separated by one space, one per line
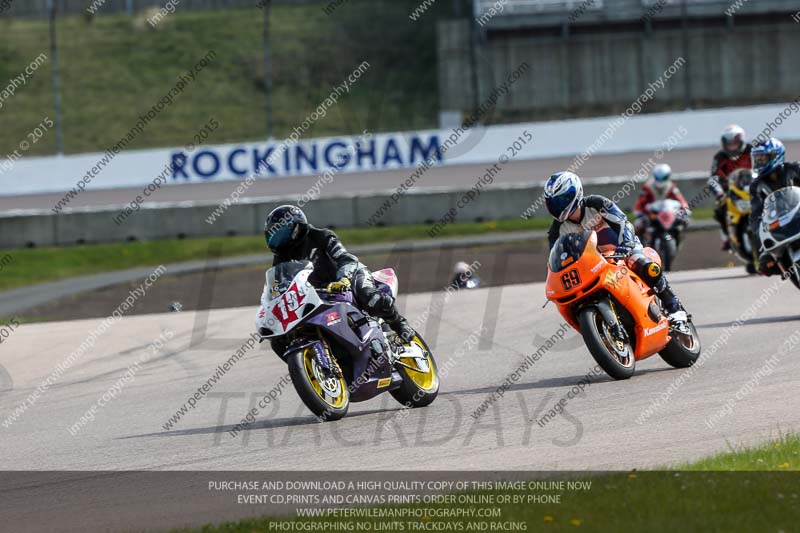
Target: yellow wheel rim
332 391
423 370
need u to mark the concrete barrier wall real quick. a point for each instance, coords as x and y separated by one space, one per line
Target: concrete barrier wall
606 69
247 218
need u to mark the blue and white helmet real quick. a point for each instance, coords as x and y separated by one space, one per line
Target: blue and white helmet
767 156
563 194
662 172
661 175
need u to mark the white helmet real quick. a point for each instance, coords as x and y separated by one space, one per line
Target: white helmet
661 175
563 194
730 135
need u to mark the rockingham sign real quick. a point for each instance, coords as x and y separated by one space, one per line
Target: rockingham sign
344 154
386 151
233 162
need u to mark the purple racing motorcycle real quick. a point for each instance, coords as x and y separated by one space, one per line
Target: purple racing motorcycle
335 353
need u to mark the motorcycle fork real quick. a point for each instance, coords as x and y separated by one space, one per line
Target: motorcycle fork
325 358
610 315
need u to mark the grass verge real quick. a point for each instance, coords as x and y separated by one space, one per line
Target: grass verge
23 267
38 265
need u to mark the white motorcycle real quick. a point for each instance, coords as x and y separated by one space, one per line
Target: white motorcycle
335 353
780 231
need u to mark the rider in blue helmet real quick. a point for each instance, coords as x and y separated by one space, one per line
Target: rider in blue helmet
772 173
573 213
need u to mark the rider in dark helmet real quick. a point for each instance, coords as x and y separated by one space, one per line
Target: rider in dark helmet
573 213
771 173
291 237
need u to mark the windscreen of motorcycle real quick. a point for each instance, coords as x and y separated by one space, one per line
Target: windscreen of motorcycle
290 297
781 215
280 277
568 249
667 204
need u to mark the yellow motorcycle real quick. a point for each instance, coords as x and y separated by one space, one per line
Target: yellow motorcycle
738 204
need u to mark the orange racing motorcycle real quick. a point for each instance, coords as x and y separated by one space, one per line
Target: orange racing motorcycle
618 316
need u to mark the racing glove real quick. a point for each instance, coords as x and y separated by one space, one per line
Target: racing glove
338 286
623 250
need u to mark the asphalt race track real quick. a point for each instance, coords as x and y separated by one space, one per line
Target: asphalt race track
600 430
606 426
601 165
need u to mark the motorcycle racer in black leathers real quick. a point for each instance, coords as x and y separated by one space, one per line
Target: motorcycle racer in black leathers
291 238
773 173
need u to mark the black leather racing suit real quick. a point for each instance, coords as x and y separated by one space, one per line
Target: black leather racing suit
333 262
613 228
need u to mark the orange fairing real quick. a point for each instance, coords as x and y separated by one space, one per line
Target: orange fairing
575 275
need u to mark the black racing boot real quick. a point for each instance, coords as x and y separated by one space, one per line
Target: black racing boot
401 326
671 304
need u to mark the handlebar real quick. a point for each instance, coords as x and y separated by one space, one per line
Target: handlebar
323 290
